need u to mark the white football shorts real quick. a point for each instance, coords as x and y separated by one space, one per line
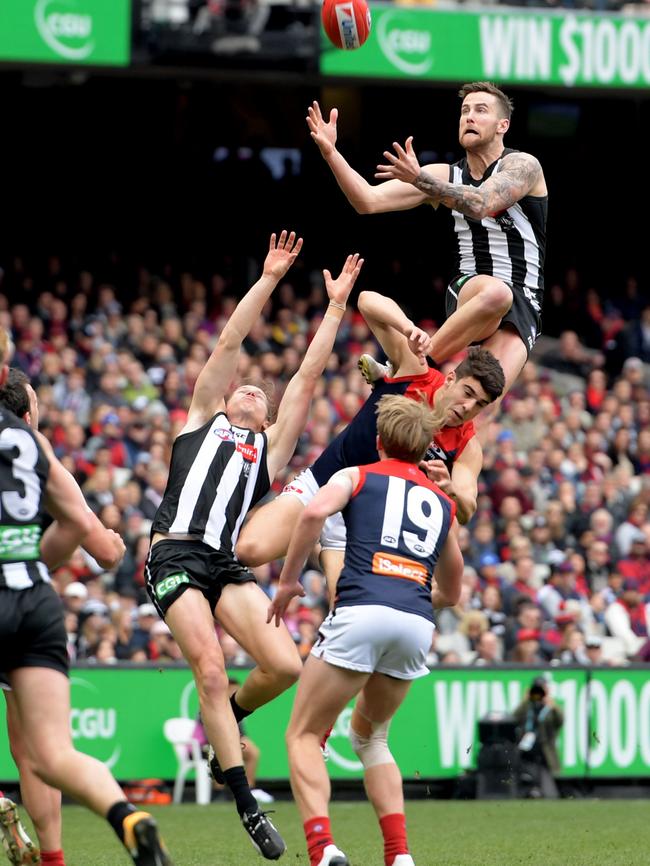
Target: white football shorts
304 486
375 638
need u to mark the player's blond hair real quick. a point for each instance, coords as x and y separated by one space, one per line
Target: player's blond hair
406 427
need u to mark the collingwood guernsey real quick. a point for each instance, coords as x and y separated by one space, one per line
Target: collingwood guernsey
217 474
24 471
510 244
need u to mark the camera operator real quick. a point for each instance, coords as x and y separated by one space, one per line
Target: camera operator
539 720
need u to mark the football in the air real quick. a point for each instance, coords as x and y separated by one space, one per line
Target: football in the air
346 22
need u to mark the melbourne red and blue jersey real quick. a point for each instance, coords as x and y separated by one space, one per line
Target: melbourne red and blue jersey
357 444
397 522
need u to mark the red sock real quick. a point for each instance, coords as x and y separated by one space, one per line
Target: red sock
393 828
318 835
326 736
52 858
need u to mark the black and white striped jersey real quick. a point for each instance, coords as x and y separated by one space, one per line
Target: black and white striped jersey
217 474
24 469
510 244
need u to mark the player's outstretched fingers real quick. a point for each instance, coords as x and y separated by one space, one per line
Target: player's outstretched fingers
297 248
283 239
272 242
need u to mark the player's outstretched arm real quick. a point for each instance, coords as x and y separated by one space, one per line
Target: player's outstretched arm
294 406
331 498
215 378
363 196
71 518
519 174
104 545
449 571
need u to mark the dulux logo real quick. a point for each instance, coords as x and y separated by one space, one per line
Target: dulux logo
59 28
397 41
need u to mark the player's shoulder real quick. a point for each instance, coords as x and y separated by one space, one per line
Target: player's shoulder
527 167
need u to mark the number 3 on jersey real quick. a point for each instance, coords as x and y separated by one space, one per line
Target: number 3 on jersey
21 507
423 510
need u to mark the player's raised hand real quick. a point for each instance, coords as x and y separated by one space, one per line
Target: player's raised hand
282 254
436 471
324 134
403 164
283 595
338 290
419 342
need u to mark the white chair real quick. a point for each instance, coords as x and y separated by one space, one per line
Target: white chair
188 753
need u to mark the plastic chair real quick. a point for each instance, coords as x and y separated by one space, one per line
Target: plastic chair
188 753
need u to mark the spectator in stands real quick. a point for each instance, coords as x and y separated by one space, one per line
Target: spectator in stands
628 617
488 650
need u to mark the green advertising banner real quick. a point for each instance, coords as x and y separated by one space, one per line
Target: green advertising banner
96 32
118 716
565 49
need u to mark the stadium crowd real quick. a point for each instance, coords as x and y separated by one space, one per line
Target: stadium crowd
557 555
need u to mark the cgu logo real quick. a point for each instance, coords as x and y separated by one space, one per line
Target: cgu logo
67 32
93 723
407 49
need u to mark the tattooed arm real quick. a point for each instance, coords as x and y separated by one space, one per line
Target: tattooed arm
518 174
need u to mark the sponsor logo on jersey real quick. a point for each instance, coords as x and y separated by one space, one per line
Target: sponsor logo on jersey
435 452
169 584
504 219
248 452
389 565
224 434
20 542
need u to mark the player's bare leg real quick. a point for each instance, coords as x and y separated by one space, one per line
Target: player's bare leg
482 302
242 611
192 624
42 697
267 533
375 706
43 803
323 692
507 346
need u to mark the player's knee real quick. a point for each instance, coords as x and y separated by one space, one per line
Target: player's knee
288 670
372 750
211 678
495 297
51 764
248 550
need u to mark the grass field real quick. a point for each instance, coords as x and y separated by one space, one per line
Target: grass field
441 833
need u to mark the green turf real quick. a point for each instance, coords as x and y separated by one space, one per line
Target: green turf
441 833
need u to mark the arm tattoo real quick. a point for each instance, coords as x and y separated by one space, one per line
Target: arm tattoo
516 177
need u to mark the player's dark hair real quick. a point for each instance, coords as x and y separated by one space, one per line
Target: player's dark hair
481 365
504 101
13 394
